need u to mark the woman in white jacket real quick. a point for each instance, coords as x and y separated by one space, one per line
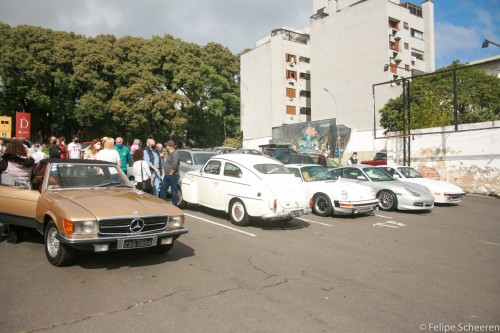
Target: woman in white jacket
141 168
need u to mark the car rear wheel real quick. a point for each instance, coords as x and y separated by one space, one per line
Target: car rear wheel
322 205
161 249
387 200
57 253
238 213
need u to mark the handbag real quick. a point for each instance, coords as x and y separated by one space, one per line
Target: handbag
144 185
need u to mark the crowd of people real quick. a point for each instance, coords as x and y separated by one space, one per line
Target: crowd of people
154 163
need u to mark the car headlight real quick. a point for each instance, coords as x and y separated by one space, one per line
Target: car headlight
344 195
175 221
80 227
415 194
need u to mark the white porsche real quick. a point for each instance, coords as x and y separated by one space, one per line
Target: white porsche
331 195
443 192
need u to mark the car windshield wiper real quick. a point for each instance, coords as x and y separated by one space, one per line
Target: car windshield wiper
114 184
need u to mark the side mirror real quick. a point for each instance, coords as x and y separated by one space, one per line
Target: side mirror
395 176
360 178
189 162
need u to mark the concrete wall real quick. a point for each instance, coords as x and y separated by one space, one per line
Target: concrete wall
469 158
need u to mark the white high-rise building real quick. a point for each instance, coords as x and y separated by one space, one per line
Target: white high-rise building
332 65
355 44
275 85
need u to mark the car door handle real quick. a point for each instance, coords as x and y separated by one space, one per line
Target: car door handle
216 183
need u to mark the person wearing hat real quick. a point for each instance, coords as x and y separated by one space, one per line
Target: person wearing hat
171 173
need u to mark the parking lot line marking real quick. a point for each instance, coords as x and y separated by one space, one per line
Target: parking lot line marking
387 217
220 225
328 225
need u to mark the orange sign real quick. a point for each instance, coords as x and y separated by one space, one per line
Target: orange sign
23 125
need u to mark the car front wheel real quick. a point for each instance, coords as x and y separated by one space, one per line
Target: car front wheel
57 253
322 205
238 213
180 201
387 200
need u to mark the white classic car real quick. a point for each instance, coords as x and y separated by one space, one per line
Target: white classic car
246 186
443 192
331 195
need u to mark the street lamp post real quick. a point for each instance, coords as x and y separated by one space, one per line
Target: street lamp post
487 42
336 121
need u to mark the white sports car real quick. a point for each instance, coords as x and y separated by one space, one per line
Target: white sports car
245 186
444 192
391 193
331 195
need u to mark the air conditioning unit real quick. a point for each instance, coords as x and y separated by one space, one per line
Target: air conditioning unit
291 63
413 58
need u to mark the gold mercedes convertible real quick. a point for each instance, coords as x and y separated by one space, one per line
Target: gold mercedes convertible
89 205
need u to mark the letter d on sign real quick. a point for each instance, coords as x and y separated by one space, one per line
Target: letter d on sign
23 125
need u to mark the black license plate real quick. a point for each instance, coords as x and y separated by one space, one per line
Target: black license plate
137 243
297 213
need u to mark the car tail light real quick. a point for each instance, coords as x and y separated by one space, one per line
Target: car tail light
275 204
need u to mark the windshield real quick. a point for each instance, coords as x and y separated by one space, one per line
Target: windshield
271 169
202 158
409 172
377 174
63 176
316 173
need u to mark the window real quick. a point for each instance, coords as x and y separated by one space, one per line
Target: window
290 92
407 46
305 76
417 54
305 93
394 24
407 67
417 34
394 45
291 75
213 168
305 111
406 26
290 109
231 170
291 58
304 59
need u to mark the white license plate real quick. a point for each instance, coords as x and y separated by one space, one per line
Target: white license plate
297 213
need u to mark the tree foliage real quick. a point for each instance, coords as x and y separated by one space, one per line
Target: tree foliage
107 86
432 104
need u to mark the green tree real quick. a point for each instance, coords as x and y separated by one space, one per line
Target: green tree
35 69
432 99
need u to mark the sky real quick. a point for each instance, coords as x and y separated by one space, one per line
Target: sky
460 25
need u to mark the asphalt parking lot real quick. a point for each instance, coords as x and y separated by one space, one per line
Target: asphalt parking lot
387 272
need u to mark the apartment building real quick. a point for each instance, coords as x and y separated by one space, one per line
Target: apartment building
275 85
327 70
355 44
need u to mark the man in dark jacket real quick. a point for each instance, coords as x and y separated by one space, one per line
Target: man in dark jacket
171 171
